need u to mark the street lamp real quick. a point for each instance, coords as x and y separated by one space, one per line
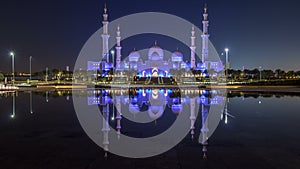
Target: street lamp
113 60
259 73
113 57
226 64
46 77
30 65
13 66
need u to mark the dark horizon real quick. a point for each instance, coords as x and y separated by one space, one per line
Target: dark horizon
258 33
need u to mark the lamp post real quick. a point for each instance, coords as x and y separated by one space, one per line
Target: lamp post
113 61
226 64
30 66
46 78
259 73
13 67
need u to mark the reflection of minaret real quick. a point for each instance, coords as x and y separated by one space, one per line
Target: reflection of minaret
118 48
205 36
105 128
119 117
193 49
204 130
193 116
105 35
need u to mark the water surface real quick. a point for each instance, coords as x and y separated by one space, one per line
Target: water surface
260 130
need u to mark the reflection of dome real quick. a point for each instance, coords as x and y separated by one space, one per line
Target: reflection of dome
134 108
177 108
177 57
157 98
155 53
155 112
134 56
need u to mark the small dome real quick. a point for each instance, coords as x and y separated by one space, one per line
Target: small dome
177 108
134 108
177 57
177 54
134 56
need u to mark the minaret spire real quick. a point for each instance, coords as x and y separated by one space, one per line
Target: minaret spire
105 9
193 48
205 36
105 35
118 48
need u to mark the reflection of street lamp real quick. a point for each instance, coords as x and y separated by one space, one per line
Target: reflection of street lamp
113 113
13 106
13 66
47 96
226 64
31 111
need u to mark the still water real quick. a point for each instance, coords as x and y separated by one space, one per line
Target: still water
256 129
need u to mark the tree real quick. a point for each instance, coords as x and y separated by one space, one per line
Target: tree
1 76
290 74
54 72
267 74
236 74
279 73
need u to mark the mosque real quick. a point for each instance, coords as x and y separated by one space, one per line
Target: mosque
155 66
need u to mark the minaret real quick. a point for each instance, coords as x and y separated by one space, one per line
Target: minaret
105 35
205 36
119 116
118 48
193 48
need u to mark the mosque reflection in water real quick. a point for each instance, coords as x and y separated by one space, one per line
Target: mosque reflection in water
160 106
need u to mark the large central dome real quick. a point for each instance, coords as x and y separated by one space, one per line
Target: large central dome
155 53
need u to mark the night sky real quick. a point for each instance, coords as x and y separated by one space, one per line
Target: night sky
257 32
